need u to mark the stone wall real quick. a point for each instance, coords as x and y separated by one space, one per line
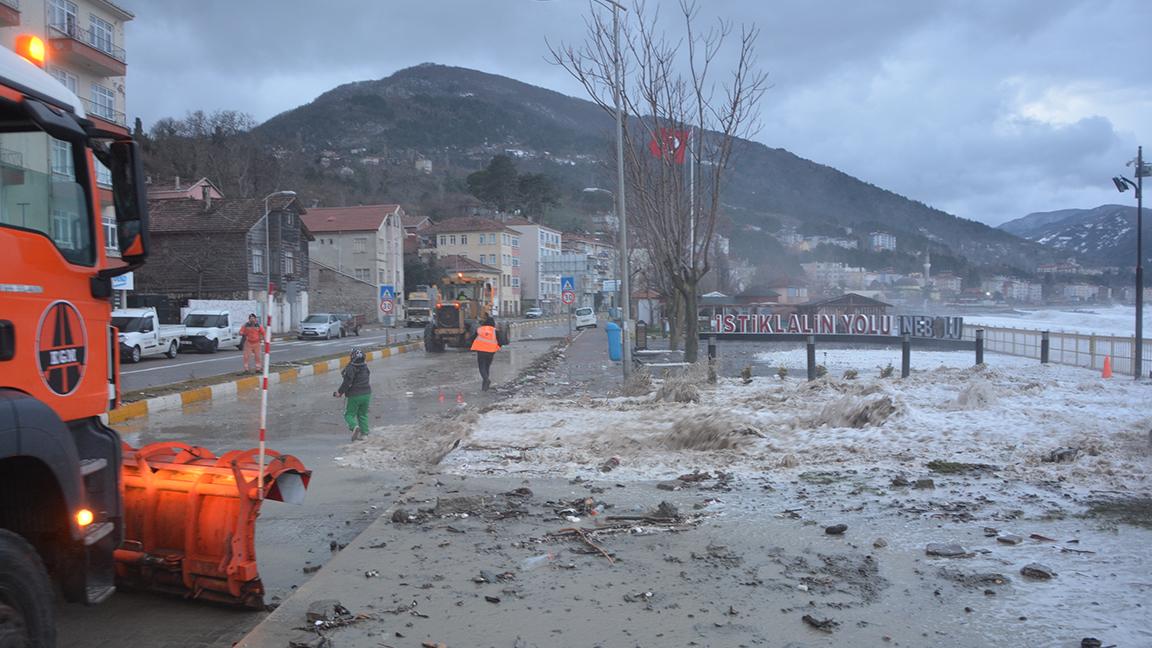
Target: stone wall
336 292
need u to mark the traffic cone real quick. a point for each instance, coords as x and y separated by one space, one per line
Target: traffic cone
441 394
1107 373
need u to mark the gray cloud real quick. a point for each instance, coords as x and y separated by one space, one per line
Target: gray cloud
989 109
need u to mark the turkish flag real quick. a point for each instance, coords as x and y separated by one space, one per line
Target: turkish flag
670 143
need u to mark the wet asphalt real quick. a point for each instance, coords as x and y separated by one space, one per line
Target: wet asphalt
304 420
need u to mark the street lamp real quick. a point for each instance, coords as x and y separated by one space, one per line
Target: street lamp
1122 185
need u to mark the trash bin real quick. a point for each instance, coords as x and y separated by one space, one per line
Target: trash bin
614 350
641 338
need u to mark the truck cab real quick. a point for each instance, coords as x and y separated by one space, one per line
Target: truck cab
208 330
142 335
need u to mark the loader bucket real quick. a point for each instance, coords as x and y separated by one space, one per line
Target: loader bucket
190 519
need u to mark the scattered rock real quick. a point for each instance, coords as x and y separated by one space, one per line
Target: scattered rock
899 481
492 599
956 467
949 550
879 543
665 510
991 532
695 477
1061 455
371 573
924 483
610 465
400 516
1009 539
1037 571
824 625
311 569
325 610
1091 642
836 529
669 486
789 461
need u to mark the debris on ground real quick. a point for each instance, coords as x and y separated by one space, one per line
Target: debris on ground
958 467
943 550
1009 539
824 625
1037 571
1061 455
836 529
610 465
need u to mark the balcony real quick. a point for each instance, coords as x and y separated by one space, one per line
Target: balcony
9 13
104 113
84 49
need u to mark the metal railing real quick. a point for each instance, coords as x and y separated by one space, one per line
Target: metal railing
1075 349
87 37
104 112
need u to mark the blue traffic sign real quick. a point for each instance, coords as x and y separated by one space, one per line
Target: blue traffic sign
387 293
567 284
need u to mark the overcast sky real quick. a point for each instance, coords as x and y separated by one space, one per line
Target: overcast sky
987 109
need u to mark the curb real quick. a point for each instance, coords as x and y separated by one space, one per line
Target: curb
207 393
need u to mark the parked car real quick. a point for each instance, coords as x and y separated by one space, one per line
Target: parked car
142 334
533 313
207 330
350 323
585 318
320 325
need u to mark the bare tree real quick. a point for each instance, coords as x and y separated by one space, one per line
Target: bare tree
678 110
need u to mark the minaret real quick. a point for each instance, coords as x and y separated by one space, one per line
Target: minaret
927 267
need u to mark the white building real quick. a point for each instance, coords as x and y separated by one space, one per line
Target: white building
881 241
537 242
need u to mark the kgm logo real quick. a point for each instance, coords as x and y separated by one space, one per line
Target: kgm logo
61 347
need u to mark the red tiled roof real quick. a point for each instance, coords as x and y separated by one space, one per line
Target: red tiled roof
412 221
469 224
363 218
461 263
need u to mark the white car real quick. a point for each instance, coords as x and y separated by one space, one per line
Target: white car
533 313
208 330
585 318
320 325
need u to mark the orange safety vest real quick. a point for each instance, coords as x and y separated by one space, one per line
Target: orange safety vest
486 340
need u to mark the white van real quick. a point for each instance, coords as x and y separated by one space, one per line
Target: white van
585 318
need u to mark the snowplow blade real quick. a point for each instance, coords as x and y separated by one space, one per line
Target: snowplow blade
190 519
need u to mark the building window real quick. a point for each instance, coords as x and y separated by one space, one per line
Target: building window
62 159
103 102
515 262
515 282
506 239
359 245
257 260
289 263
102 31
103 175
443 240
452 239
108 219
62 16
64 77
63 229
364 274
515 241
463 239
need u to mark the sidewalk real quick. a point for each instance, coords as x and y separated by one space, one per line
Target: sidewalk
587 369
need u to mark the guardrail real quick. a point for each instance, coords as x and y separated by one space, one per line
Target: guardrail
1075 349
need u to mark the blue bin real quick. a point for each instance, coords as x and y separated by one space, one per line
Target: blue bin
614 350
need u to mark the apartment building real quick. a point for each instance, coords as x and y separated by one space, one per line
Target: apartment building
537 243
878 241
602 253
365 242
84 43
489 242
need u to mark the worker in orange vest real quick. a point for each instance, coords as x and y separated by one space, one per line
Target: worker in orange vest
486 343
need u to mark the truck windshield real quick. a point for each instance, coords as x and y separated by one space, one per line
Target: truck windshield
39 192
128 324
200 321
418 303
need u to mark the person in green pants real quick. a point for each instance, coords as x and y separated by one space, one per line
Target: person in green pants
358 392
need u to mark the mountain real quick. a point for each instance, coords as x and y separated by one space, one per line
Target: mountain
459 118
1103 236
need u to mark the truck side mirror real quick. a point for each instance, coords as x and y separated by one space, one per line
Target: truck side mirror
129 195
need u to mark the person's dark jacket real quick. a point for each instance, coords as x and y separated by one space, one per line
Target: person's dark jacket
355 383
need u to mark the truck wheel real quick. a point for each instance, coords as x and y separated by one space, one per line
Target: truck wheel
26 600
214 346
136 355
173 349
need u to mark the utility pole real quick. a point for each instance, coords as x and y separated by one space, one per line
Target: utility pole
1138 353
625 269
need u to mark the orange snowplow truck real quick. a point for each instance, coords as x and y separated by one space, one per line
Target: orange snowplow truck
80 511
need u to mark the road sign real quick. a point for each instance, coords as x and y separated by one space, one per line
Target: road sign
387 299
123 282
611 285
568 284
567 296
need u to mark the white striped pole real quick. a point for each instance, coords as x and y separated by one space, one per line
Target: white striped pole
264 392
